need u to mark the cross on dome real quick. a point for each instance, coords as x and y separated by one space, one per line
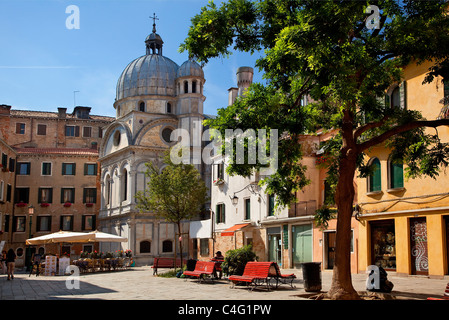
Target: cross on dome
154 41
154 21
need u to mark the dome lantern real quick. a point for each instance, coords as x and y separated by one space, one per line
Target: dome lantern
154 41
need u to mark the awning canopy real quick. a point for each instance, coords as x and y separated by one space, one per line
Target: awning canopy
230 231
75 237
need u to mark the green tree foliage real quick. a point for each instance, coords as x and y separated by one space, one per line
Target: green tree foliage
176 193
326 51
235 260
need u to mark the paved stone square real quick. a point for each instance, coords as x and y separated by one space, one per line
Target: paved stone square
140 284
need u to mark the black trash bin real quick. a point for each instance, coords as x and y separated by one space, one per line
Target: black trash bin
311 273
191 263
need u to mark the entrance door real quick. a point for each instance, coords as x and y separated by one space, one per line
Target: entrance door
446 219
274 248
418 244
302 243
330 248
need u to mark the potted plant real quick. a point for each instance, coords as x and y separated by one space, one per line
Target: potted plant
218 181
89 204
21 204
67 204
45 204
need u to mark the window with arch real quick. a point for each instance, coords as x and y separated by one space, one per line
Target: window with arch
124 185
397 98
107 190
374 179
186 87
396 174
145 246
142 106
167 246
169 107
194 86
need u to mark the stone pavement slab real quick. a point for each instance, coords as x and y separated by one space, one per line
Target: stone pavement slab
140 284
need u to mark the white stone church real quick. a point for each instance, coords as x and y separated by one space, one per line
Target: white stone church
154 96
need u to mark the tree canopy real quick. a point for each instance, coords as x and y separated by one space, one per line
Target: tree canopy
331 52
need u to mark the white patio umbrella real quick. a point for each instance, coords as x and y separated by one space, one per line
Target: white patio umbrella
61 236
98 236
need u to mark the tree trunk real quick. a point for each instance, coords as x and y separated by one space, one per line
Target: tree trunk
180 241
341 288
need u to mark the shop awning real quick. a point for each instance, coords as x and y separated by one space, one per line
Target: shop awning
230 231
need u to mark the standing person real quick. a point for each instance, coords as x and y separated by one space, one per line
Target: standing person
3 262
11 263
36 260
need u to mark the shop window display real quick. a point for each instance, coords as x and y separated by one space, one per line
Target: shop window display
383 244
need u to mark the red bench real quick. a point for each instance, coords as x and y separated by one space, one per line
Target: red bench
284 278
256 273
166 262
445 295
202 269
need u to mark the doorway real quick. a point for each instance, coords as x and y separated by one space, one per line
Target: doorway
275 247
418 246
302 243
329 238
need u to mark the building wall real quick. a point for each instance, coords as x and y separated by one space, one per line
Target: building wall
423 197
42 137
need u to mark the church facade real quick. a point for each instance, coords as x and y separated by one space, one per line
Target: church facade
154 96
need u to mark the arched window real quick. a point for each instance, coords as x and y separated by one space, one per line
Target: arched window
168 107
107 190
194 87
186 87
124 185
395 97
396 175
145 247
142 106
374 179
167 246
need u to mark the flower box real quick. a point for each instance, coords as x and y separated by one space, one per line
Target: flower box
218 182
89 204
21 204
44 204
67 204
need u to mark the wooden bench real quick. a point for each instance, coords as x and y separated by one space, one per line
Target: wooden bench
165 262
284 278
255 274
445 295
202 269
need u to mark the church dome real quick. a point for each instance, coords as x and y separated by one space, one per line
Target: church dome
190 68
151 74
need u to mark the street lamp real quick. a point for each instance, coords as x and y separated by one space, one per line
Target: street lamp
30 214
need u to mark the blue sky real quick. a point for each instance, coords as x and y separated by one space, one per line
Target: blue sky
42 62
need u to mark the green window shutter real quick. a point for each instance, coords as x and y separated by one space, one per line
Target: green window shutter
247 209
375 178
223 213
217 213
270 205
396 175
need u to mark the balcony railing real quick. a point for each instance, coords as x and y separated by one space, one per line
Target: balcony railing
302 208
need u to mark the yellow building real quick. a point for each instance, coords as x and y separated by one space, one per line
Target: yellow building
404 223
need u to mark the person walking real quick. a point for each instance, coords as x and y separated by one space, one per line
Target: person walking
3 262
11 263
